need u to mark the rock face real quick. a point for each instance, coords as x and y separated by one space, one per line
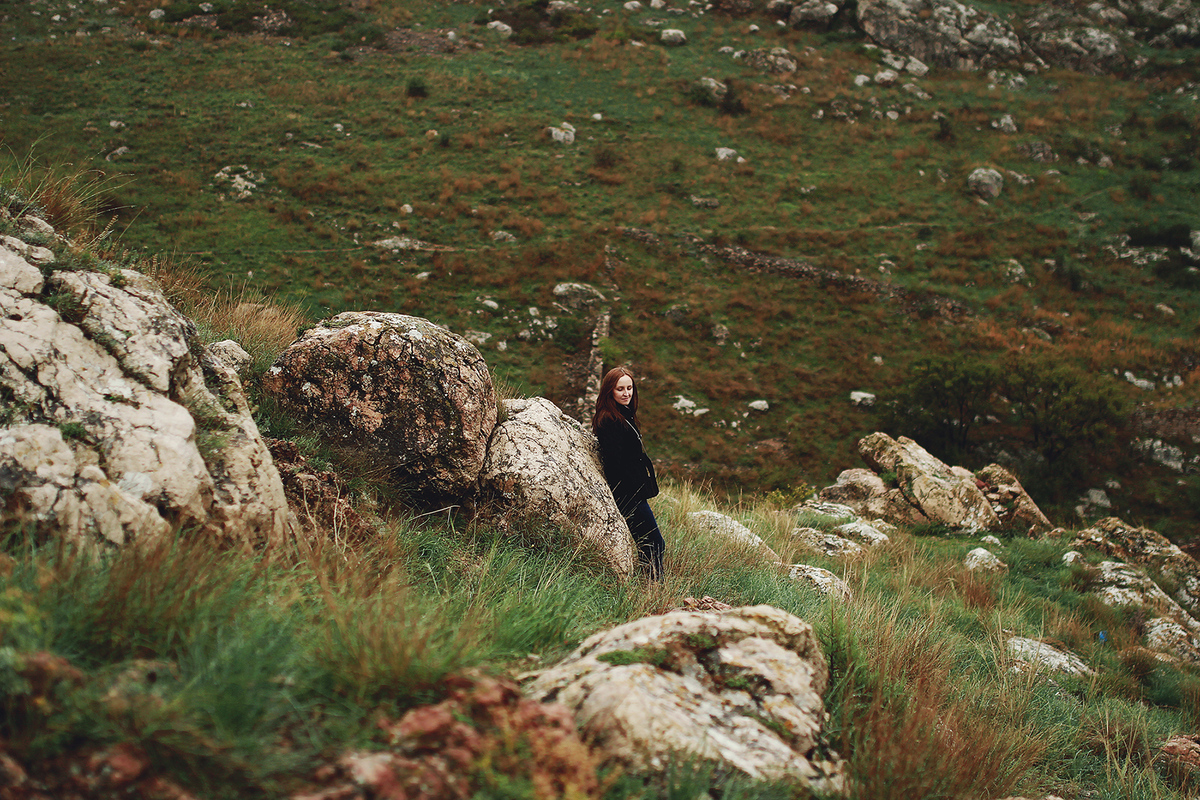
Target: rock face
412 394
740 688
940 32
542 465
943 494
118 424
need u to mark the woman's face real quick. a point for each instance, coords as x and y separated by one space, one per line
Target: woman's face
623 391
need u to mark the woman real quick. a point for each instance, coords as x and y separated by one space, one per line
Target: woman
627 468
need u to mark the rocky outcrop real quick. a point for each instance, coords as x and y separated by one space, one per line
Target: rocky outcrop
1171 630
921 489
542 467
1068 40
943 494
940 32
405 392
118 424
1150 549
740 688
1012 504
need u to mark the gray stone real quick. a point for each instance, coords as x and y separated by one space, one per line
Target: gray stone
543 467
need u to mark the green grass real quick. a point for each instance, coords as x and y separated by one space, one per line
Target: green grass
267 665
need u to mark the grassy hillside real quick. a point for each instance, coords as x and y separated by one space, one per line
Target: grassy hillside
237 676
364 122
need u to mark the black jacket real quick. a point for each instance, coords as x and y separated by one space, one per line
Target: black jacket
627 468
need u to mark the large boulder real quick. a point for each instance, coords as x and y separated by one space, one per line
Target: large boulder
410 394
868 496
118 424
940 32
741 689
543 466
944 494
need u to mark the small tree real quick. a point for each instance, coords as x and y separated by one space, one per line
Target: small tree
942 399
1062 408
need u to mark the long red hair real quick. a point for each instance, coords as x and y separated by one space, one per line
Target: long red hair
606 404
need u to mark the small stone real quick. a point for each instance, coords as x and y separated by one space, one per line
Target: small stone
673 37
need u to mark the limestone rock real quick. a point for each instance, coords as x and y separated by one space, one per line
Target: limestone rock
863 533
1067 39
983 560
542 465
943 494
813 11
122 425
1151 549
578 295
985 182
409 393
829 544
1173 630
1012 504
820 579
1030 654
1183 753
702 684
231 354
17 274
673 37
776 61
733 530
940 32
1168 636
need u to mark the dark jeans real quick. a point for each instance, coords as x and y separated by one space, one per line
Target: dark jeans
649 540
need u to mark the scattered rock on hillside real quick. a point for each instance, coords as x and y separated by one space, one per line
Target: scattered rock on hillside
741 689
543 467
412 396
1182 753
829 544
673 37
822 580
733 530
121 425
578 295
986 182
715 89
1173 630
1030 654
231 354
983 560
776 61
1066 39
814 12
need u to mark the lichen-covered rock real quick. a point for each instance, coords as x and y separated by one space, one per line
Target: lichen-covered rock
1172 630
542 465
1012 504
1146 547
862 532
983 560
1030 654
820 579
985 182
412 395
940 32
943 494
733 530
741 689
775 61
829 544
119 424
